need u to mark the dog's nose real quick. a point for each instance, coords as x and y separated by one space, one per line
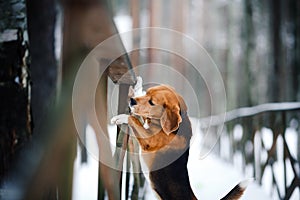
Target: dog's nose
132 102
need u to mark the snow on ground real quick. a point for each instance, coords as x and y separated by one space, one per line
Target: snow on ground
85 179
211 178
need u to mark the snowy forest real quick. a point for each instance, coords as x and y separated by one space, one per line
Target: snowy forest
235 62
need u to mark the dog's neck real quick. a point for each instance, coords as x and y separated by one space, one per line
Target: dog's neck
154 126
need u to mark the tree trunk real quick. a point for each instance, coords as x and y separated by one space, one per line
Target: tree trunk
274 89
41 17
15 126
248 35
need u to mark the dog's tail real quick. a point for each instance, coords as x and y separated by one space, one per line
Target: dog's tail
238 190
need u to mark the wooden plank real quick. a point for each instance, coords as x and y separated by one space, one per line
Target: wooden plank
117 71
86 32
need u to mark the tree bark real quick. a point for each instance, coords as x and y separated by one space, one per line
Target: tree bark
245 97
41 17
15 126
274 89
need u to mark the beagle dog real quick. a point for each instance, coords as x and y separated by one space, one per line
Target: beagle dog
162 127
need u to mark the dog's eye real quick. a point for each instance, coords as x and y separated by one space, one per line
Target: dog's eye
151 103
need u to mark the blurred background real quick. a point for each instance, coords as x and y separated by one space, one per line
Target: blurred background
254 45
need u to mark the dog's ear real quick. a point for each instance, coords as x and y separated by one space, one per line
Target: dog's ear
171 119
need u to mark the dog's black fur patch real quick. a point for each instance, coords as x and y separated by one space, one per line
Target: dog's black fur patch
172 181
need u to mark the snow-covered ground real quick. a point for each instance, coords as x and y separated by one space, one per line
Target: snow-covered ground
211 177
85 179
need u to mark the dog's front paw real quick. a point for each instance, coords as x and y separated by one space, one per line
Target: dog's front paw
120 119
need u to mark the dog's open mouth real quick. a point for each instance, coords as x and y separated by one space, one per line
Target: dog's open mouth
145 120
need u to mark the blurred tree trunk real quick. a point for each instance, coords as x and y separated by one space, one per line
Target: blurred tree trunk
178 23
155 12
294 20
15 118
248 37
294 50
135 14
297 54
274 89
230 76
41 17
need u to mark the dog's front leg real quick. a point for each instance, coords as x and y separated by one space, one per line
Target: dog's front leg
141 134
154 140
150 141
120 119
133 122
138 127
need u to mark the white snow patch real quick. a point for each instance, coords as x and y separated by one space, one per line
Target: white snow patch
85 179
291 140
267 137
237 132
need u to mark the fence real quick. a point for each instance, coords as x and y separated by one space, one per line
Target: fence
265 157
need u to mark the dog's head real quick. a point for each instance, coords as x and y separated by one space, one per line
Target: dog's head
160 103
